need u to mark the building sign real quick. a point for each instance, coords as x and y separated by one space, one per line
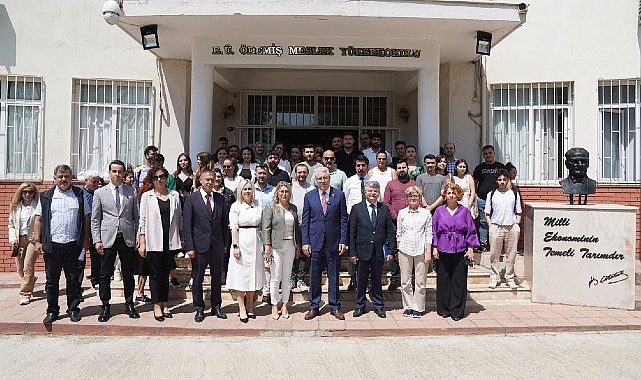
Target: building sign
304 50
583 255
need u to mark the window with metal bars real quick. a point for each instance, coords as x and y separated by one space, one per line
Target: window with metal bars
619 129
112 120
531 124
20 127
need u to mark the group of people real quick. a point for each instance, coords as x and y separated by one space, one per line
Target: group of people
262 218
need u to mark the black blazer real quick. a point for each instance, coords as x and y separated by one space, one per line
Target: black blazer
203 231
363 238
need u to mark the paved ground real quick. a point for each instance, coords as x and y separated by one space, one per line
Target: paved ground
611 355
484 317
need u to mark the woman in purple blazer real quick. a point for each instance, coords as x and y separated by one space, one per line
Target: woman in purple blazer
454 237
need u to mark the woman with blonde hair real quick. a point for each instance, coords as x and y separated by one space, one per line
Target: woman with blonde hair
245 272
282 241
21 218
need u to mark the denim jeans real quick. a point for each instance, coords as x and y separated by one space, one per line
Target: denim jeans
483 231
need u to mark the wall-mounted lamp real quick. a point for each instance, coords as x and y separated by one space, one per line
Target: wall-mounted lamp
229 111
111 11
149 34
483 42
404 114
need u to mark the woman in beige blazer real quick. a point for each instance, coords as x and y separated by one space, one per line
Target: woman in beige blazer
282 242
21 218
159 238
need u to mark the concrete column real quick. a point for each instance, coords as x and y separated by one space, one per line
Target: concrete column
202 96
428 111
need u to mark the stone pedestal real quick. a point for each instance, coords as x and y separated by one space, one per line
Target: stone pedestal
581 255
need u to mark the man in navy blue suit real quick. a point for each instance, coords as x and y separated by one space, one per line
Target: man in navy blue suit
324 232
206 237
370 228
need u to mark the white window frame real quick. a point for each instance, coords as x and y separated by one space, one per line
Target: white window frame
81 162
541 156
629 156
5 104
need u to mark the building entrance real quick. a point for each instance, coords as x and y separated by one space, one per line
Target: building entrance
314 136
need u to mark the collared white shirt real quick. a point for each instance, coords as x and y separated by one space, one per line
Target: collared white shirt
413 230
64 216
25 213
203 195
352 190
298 196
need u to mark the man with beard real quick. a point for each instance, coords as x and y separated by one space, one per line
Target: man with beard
372 151
337 143
399 148
396 200
345 157
276 174
309 154
337 177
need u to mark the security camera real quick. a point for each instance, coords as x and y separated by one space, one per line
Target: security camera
522 7
111 11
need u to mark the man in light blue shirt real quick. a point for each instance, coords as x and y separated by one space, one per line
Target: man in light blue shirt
264 191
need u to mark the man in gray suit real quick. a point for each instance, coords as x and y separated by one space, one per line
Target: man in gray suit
114 223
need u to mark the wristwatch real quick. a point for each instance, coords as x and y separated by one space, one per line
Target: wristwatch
234 246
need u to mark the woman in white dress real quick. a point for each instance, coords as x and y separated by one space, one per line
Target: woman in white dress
382 173
245 272
464 179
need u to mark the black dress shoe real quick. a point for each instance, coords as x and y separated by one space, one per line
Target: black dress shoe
167 314
199 317
105 314
456 318
160 317
352 286
251 315
380 313
131 312
244 320
74 316
217 312
393 286
358 313
51 317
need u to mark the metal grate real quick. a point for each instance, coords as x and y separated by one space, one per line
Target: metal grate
112 120
21 110
619 127
531 127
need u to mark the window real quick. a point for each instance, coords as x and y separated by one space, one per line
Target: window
20 127
531 124
112 120
619 125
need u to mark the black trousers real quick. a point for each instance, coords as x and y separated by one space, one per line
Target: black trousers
451 285
96 260
370 269
395 271
160 264
213 259
62 256
300 264
127 258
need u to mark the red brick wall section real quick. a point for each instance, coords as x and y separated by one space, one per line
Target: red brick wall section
625 195
622 195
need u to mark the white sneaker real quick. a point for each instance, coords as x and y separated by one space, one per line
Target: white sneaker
24 300
493 283
117 276
302 286
191 282
180 255
512 284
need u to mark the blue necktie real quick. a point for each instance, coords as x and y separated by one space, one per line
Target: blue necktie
373 215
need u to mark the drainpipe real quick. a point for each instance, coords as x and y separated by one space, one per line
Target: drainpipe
484 103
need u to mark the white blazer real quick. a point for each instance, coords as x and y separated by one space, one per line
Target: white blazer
14 222
150 223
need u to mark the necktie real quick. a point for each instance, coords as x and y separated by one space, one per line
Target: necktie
363 187
209 210
324 203
117 200
373 215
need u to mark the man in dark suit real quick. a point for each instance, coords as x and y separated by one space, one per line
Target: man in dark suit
206 225
370 228
324 233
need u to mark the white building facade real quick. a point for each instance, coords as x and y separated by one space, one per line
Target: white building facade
74 89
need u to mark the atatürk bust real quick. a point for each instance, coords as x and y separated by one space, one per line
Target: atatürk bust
577 161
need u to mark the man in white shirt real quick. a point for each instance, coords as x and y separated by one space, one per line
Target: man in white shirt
354 189
503 215
300 187
370 153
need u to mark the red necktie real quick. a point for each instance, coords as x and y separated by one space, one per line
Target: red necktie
209 204
324 203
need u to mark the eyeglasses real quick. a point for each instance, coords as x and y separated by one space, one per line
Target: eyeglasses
28 192
329 158
159 177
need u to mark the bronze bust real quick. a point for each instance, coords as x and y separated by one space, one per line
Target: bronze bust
577 161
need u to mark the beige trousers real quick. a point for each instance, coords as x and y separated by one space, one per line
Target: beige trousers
503 237
25 265
413 298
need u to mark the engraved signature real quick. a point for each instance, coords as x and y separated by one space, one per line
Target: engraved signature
608 279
